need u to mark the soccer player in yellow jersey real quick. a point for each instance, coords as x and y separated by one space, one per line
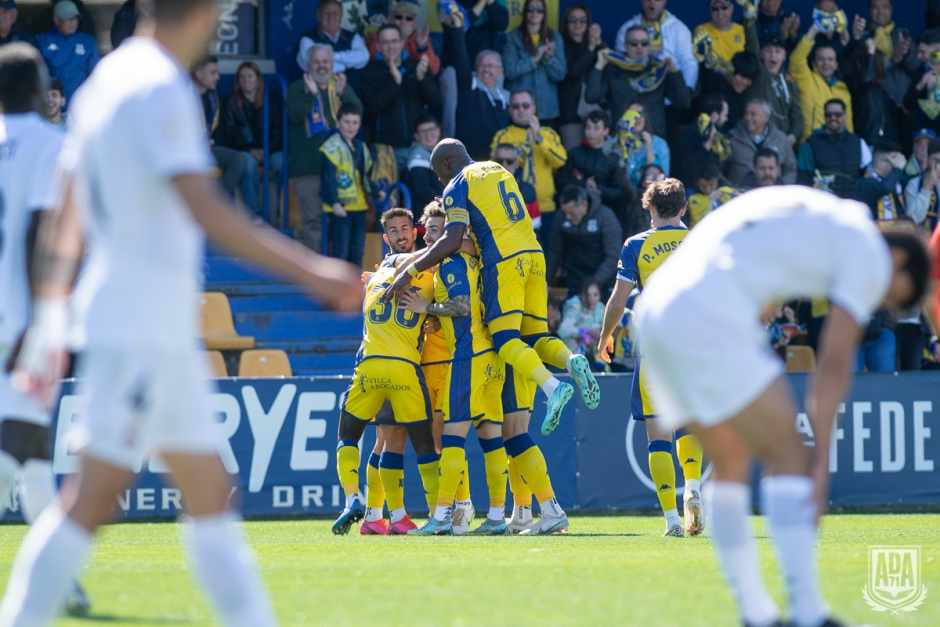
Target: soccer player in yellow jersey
385 469
472 385
642 254
484 199
387 369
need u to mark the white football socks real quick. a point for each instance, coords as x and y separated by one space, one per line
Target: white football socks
551 508
49 560
549 386
672 518
496 513
397 514
226 569
729 505
37 488
790 510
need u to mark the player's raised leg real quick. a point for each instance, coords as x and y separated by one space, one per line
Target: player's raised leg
551 350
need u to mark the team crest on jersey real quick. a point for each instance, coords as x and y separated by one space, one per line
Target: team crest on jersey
53 47
449 201
80 49
592 226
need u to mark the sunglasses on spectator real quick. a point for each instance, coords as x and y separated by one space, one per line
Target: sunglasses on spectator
638 43
535 10
407 18
721 7
577 20
521 105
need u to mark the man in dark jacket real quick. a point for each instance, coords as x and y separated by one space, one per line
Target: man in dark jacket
313 101
482 103
397 90
421 180
638 77
9 33
599 172
205 76
585 245
837 154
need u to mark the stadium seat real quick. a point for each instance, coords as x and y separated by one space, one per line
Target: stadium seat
264 363
800 359
217 364
218 329
373 252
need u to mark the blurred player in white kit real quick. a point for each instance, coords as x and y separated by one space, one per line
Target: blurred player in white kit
710 365
29 151
136 178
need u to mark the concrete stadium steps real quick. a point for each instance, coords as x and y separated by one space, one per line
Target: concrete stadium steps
336 356
281 316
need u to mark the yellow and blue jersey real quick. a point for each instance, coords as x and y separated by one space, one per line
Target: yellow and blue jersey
644 252
486 197
390 330
466 336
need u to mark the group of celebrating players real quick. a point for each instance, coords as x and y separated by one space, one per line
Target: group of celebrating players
455 335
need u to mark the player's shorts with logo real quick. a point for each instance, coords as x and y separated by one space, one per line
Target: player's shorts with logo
435 376
518 392
15 404
380 379
641 399
143 402
515 294
472 390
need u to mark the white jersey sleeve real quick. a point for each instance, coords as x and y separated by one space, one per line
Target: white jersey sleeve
175 140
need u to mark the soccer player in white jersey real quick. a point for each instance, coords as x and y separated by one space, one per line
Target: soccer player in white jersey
29 150
711 368
136 175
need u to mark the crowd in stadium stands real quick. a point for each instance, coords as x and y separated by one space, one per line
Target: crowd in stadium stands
585 119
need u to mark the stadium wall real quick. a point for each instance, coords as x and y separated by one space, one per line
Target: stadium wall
281 436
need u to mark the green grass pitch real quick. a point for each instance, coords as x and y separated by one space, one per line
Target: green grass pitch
607 571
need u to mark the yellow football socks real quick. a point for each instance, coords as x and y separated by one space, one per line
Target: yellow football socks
463 488
663 473
375 493
494 458
532 466
524 360
521 493
689 452
453 463
392 473
347 466
429 469
553 352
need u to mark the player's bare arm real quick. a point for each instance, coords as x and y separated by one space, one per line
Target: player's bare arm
329 280
613 311
447 245
457 307
41 360
828 387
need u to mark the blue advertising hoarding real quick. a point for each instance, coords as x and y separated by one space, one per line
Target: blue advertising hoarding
279 442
